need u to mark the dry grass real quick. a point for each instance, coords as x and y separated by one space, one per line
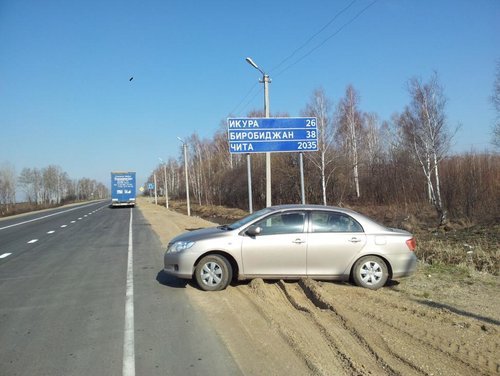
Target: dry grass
26 207
476 247
459 243
214 213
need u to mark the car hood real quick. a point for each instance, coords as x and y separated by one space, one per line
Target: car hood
202 234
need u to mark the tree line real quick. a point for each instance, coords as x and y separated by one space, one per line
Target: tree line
403 161
48 186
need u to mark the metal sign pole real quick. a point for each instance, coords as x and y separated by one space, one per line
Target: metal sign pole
302 189
249 173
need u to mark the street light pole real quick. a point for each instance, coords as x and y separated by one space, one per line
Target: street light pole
156 189
265 80
184 147
166 182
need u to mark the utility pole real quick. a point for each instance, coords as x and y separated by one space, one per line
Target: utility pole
165 181
184 147
265 80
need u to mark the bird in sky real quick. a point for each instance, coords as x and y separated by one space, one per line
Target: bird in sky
131 78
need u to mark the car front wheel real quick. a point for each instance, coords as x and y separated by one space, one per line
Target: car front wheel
213 273
370 272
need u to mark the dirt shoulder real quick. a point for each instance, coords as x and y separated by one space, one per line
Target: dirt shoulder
435 323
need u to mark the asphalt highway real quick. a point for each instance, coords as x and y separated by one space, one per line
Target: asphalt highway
82 293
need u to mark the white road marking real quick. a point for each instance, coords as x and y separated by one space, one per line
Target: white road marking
128 337
46 216
73 221
63 226
50 232
80 218
32 241
5 255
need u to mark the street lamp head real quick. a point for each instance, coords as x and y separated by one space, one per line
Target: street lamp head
252 63
180 139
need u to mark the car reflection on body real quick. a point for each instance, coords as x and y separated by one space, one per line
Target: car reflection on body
292 242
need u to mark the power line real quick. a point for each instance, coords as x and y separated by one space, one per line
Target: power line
245 97
251 99
327 39
314 35
338 14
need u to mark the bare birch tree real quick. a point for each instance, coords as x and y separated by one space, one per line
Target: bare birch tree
198 174
27 183
350 124
424 129
52 184
320 107
373 146
7 187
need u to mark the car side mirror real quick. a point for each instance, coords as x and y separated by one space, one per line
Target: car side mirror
254 230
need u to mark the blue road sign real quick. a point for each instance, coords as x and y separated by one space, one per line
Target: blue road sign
262 135
151 186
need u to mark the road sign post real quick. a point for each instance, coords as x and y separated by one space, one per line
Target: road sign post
151 186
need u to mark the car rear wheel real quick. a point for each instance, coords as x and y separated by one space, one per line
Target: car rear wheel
213 273
370 272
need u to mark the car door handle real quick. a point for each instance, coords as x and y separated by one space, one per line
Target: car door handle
354 240
298 241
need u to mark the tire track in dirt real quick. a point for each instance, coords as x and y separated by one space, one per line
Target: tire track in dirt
271 303
429 342
341 336
255 342
327 346
356 331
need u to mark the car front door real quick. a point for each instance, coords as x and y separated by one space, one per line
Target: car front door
280 247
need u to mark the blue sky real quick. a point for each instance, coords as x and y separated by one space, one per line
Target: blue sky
66 98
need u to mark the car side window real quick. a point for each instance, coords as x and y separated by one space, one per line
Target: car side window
282 223
334 222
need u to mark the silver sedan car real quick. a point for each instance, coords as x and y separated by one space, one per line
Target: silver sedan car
292 242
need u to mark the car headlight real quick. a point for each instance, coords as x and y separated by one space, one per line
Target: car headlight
179 246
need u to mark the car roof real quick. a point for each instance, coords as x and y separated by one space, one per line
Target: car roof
310 207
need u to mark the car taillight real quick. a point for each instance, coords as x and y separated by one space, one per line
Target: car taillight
412 244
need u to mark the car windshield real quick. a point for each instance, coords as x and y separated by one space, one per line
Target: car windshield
249 218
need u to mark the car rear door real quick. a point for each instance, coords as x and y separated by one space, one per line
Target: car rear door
334 240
